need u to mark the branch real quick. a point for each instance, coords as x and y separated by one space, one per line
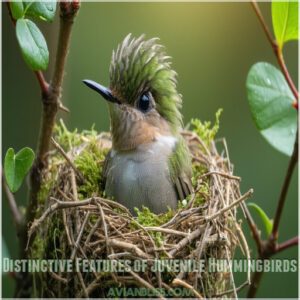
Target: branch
51 103
269 247
287 244
254 284
284 190
277 51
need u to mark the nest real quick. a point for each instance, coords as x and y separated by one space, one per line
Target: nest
204 227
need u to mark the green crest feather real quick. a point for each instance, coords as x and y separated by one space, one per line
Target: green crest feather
140 65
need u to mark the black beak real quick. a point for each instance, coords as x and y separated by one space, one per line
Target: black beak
103 91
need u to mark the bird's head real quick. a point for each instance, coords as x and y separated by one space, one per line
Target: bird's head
142 96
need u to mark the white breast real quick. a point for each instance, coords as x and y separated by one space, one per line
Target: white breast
142 177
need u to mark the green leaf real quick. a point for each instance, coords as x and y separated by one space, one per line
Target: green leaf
270 100
42 10
33 45
285 21
268 223
17 9
16 166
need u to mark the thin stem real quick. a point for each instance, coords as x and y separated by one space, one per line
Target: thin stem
254 230
44 85
286 73
287 244
262 22
17 217
277 51
270 247
284 190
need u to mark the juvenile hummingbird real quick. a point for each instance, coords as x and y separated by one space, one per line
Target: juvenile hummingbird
149 163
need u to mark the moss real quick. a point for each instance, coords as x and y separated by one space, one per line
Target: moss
69 139
54 234
90 162
37 248
147 218
205 130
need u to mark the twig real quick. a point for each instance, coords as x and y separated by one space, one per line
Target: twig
85 291
92 286
44 85
57 277
64 154
185 241
166 230
285 186
128 246
104 226
66 227
246 249
17 217
221 174
231 274
178 282
234 203
145 283
287 244
80 235
277 51
254 230
52 208
231 290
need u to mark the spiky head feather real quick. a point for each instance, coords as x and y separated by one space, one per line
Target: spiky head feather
140 65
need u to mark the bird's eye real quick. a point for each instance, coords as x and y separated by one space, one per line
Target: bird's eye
144 102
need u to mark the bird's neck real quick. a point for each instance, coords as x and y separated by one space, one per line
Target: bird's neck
131 135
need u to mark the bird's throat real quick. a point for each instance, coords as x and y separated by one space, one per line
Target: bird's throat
129 130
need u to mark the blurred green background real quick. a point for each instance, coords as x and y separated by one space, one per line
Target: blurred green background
213 46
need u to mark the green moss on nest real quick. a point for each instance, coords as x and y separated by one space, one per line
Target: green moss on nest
90 162
205 130
70 139
147 218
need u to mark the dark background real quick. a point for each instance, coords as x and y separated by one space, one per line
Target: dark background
213 46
